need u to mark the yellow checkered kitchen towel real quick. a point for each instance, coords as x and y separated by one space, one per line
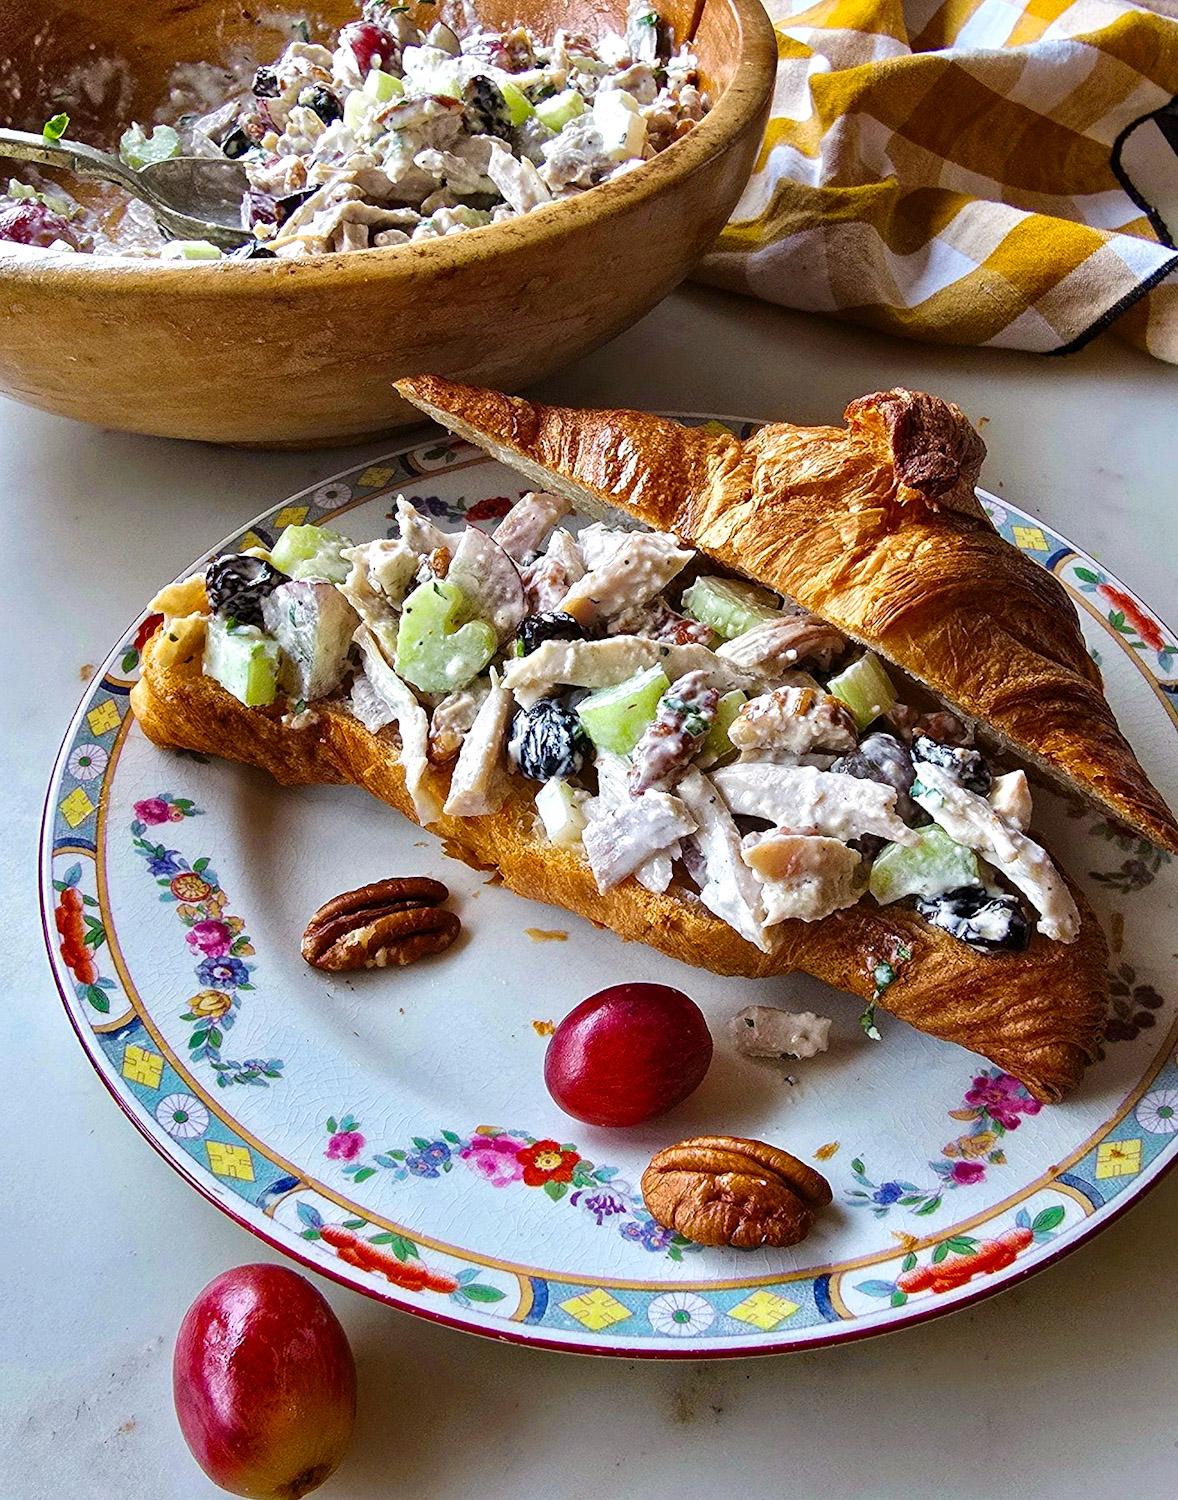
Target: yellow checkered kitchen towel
962 171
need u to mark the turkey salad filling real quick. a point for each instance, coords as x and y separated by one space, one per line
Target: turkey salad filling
392 134
674 725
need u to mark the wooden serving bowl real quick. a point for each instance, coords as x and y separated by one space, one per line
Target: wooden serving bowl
278 353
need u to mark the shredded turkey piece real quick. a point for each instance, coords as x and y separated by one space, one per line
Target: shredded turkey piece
795 719
479 783
626 837
399 705
806 800
803 875
765 1031
633 574
729 888
778 645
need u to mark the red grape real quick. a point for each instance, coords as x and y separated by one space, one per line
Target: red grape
371 45
264 1383
628 1053
34 224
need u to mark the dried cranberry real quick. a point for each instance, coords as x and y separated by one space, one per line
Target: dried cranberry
986 923
252 250
486 109
966 766
534 630
237 585
236 143
321 101
547 740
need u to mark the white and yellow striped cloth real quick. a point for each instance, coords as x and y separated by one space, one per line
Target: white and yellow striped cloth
968 171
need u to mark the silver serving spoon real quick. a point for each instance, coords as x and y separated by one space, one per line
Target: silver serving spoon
192 197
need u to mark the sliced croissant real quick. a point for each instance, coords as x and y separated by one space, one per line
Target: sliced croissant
874 527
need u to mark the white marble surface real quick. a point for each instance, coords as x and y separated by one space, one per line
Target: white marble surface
1065 1386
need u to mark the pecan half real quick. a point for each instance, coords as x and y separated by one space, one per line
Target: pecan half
390 922
724 1190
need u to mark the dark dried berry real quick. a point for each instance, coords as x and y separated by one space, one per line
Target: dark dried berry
320 99
882 758
986 923
236 143
534 630
284 207
547 740
265 84
486 111
966 766
252 250
237 584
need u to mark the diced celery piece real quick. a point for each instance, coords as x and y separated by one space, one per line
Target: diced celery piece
58 202
190 250
383 86
359 107
728 605
717 743
865 688
519 106
138 148
614 717
243 660
435 652
930 868
557 111
311 552
560 812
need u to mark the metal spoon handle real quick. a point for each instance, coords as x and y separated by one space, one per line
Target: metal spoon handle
88 162
82 160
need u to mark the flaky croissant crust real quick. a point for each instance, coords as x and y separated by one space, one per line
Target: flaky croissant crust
874 526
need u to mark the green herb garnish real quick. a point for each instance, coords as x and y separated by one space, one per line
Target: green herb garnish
55 127
867 1022
301 30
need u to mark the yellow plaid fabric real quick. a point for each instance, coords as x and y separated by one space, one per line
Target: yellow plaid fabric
960 171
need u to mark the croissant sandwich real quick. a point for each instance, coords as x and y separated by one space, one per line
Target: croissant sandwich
758 731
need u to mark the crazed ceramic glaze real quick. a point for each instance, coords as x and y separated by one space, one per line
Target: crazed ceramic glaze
393 1130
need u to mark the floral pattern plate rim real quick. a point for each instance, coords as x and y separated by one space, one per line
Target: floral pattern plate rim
351 1132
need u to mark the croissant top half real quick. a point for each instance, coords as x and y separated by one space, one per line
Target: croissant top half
875 527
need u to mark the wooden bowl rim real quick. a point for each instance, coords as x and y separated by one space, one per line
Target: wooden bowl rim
737 108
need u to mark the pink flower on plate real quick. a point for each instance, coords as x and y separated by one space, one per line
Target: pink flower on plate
967 1172
345 1145
213 939
496 1157
152 810
1002 1097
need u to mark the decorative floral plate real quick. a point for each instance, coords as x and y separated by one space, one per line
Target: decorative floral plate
393 1130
